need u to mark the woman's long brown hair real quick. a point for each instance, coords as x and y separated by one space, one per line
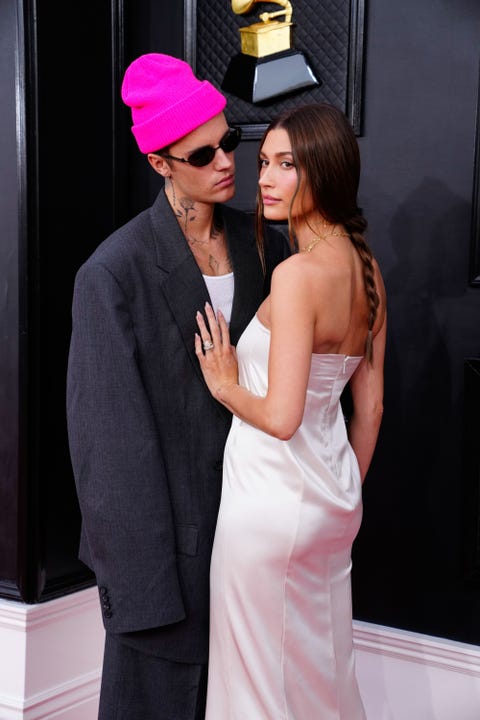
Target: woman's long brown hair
327 158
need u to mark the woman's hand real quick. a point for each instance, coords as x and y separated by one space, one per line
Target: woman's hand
217 358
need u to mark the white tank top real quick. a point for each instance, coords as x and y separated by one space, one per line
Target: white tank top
220 289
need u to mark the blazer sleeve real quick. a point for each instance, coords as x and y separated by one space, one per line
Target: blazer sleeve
117 463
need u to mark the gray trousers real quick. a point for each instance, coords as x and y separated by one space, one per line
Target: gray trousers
137 686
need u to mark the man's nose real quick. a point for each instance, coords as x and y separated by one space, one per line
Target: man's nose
223 159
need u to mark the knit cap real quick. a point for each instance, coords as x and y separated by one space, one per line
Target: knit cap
167 100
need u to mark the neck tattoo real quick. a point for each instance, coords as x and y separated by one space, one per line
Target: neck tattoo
187 208
174 197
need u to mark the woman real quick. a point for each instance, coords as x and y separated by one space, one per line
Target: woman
281 617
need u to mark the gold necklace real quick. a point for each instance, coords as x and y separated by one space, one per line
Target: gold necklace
318 238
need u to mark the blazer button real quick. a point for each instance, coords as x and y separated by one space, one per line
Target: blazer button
218 465
103 591
108 613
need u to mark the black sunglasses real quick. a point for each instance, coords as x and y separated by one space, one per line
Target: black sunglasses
204 155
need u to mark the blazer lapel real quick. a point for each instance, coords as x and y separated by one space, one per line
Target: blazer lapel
181 279
182 283
248 292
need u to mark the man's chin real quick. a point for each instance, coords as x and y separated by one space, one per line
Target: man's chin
226 193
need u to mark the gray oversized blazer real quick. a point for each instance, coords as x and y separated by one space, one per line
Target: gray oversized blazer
146 437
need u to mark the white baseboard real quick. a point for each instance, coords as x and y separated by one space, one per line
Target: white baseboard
51 657
74 700
409 676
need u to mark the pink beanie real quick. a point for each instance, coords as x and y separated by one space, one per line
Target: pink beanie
167 100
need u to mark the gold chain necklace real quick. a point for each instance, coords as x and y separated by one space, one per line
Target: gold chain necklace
318 238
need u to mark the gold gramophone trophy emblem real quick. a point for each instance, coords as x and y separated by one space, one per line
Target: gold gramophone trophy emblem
267 66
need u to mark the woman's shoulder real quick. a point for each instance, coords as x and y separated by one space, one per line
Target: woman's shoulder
301 275
290 268
319 268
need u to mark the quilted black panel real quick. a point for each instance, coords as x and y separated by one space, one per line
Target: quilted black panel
321 30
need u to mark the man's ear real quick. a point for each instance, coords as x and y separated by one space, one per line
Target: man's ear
159 164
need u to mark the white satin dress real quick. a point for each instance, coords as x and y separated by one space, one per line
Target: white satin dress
281 617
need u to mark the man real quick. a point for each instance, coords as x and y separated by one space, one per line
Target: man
146 438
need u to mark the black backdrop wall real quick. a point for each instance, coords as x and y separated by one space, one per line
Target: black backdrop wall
416 560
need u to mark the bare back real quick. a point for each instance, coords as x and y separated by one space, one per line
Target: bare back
331 283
